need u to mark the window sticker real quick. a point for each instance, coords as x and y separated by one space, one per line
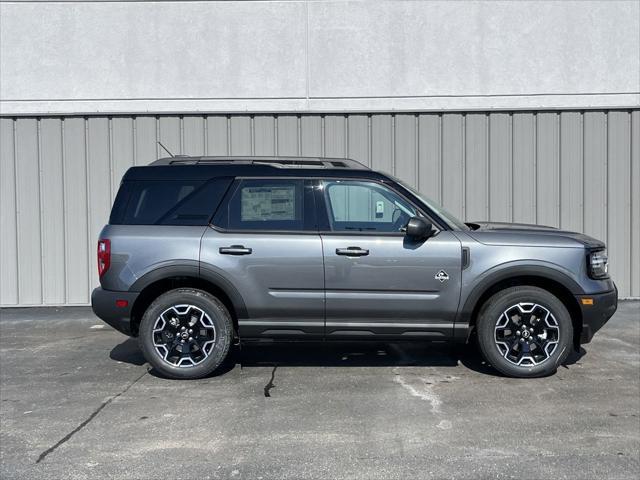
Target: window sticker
268 203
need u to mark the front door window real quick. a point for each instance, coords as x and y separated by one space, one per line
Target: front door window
361 206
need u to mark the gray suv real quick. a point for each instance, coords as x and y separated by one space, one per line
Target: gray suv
203 252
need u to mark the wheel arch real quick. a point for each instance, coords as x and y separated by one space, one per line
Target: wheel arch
162 280
547 278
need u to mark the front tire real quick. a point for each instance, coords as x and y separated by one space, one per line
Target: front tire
186 333
524 332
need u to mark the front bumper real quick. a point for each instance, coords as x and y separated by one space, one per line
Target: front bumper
596 314
103 303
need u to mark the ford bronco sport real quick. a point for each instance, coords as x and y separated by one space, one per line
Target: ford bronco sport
202 252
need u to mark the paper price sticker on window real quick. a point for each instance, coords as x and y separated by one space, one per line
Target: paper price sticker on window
380 207
267 203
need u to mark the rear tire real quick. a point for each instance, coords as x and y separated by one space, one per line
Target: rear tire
186 333
524 332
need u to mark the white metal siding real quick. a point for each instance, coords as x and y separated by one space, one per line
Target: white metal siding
572 169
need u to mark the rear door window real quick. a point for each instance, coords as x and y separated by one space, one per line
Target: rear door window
268 205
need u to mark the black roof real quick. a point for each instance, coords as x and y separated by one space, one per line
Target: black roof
183 167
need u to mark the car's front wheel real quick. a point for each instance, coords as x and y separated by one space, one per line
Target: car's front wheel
524 332
186 333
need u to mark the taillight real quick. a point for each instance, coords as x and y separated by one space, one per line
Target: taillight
104 256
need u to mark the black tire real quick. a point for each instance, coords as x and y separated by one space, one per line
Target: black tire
219 327
513 303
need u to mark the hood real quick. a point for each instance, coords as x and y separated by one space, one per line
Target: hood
498 233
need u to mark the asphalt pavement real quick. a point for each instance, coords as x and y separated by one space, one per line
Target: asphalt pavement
77 400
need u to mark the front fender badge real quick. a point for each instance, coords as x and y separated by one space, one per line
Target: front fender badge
442 276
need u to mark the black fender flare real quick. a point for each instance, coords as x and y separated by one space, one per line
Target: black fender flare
192 268
504 272
184 268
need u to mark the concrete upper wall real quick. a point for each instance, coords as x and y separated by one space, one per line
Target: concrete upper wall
296 56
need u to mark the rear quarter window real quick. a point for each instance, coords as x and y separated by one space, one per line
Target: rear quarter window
168 202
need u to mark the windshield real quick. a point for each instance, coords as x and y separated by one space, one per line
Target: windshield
451 220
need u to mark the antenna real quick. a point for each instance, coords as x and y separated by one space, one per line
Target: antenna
165 149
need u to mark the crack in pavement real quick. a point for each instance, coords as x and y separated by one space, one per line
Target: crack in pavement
270 385
93 415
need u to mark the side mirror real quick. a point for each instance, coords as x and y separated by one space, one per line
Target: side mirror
419 228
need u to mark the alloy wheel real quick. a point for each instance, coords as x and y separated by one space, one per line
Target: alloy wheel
527 334
184 335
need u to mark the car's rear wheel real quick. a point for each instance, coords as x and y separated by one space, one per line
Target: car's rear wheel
186 333
524 332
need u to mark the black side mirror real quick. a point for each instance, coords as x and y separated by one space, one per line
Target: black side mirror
419 228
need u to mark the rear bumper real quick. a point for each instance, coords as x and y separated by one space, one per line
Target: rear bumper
594 316
103 303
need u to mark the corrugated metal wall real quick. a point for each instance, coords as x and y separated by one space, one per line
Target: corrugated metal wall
577 170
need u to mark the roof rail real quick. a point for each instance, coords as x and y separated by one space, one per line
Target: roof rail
278 162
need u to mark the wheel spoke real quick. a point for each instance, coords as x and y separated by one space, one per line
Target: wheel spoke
526 333
183 335
171 351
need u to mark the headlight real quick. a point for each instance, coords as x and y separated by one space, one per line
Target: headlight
598 264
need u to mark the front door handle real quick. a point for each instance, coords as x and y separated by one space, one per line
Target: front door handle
352 251
235 250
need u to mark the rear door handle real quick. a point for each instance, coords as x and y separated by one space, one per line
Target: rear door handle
352 252
235 250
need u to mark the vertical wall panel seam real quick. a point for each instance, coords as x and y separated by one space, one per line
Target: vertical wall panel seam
581 154
322 136
275 134
205 134
536 132
87 173
487 153
440 160
463 136
65 229
534 139
633 224
157 145
252 133
17 203
606 179
346 136
559 172
631 217
181 126
134 139
561 168
40 207
416 149
584 219
627 202
299 135
511 164
110 154
229 146
629 252
393 144
369 142
347 143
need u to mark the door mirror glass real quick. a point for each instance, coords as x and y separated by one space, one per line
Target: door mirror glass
419 228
